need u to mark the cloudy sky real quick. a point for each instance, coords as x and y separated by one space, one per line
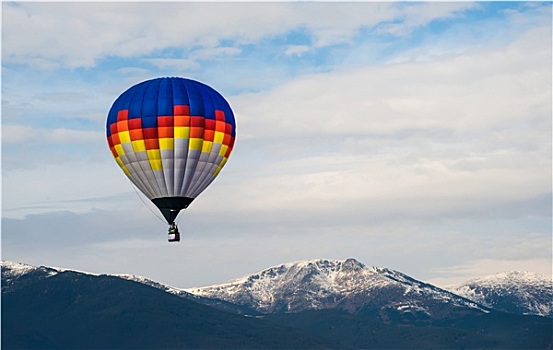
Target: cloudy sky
414 136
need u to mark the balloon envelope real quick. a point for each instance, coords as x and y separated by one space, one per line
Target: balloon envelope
171 137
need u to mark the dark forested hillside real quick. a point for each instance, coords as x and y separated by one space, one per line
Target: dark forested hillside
342 330
56 309
73 310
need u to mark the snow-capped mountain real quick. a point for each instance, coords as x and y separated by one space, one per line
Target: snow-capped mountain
13 269
517 292
151 283
14 274
59 308
65 309
342 284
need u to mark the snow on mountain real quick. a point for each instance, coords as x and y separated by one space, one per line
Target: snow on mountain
14 269
517 292
11 268
344 284
14 274
151 283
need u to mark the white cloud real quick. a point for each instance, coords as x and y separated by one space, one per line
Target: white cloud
443 154
459 136
174 63
412 15
17 134
296 50
194 56
72 136
456 275
215 52
76 35
28 148
55 185
468 93
459 130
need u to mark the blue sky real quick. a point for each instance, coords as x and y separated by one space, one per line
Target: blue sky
415 136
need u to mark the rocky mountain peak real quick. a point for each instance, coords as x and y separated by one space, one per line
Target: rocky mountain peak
322 284
514 291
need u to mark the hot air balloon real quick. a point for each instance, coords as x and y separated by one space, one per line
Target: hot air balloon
171 137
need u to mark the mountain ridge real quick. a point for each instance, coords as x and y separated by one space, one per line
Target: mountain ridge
322 283
74 310
513 291
262 300
59 308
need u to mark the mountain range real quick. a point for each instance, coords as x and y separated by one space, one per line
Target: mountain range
518 292
307 304
343 285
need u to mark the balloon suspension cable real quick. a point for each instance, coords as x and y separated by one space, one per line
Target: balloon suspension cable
177 220
155 212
